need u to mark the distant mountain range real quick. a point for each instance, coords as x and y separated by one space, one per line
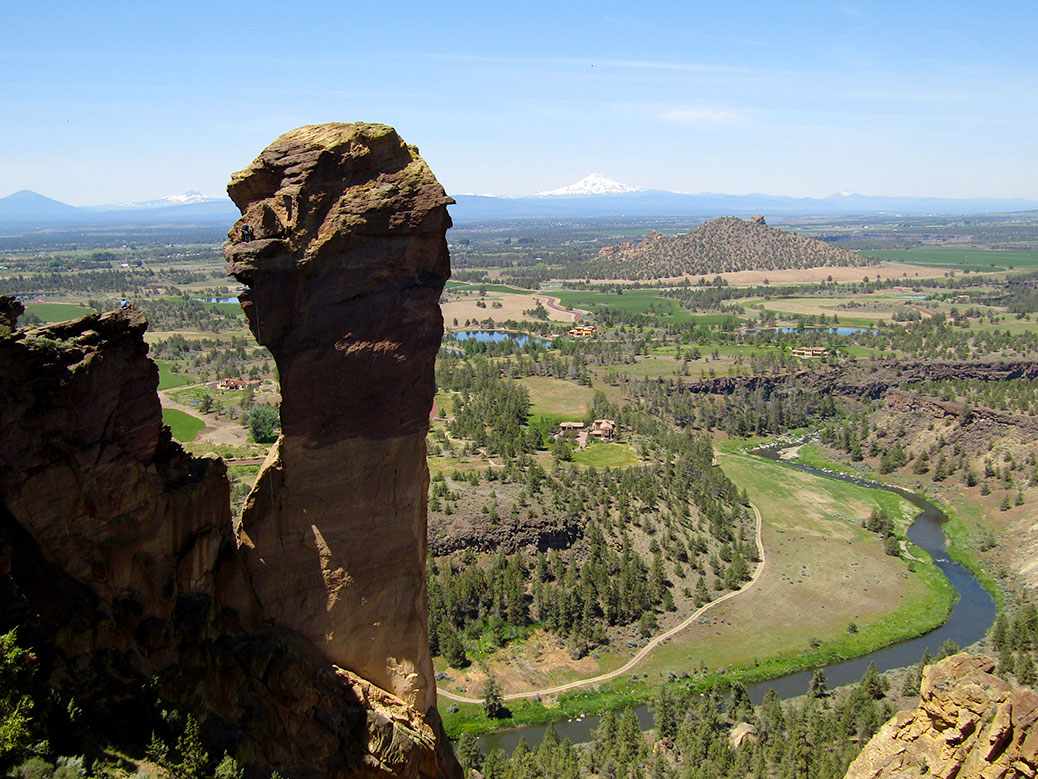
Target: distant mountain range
28 209
598 196
592 197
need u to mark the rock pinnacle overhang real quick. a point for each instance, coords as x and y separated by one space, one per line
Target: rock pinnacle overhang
342 248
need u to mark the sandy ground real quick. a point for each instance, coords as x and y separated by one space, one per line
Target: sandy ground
531 664
512 307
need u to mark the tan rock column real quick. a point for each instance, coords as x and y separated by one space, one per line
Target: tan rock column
341 247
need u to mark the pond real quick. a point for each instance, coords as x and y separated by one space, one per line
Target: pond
497 336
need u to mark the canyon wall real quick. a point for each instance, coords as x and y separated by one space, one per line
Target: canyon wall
300 644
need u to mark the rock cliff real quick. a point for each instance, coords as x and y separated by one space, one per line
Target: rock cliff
300 645
968 724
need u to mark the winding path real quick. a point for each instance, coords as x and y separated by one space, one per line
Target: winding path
556 305
655 642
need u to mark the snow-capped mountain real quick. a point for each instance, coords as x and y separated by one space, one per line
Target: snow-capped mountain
595 184
183 199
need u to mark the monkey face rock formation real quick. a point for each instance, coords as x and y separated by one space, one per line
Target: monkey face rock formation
342 249
969 724
299 644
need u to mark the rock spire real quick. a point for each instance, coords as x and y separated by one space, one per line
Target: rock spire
342 249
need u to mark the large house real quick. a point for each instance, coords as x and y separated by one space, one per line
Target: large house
582 331
603 428
810 351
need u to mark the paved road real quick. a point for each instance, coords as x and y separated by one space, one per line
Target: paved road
655 642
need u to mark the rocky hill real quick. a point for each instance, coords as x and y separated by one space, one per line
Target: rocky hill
718 246
299 643
968 724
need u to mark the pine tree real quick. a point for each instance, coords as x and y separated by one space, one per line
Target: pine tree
193 757
819 686
493 705
1025 670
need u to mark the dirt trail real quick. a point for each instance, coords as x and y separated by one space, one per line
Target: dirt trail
655 642
553 304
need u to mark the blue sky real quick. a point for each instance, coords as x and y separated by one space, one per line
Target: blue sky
104 102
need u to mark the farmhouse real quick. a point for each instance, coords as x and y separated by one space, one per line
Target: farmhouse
810 351
603 428
582 331
234 384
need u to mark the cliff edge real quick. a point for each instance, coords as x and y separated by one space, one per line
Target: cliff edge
968 724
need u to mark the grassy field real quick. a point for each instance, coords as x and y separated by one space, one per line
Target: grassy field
168 378
602 455
959 257
183 426
824 571
464 285
557 397
57 312
633 301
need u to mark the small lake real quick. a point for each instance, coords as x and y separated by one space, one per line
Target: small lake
835 330
232 299
498 336
970 618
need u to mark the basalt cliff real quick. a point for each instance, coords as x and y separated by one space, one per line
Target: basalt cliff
298 642
969 725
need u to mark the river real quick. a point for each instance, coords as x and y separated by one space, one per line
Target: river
970 618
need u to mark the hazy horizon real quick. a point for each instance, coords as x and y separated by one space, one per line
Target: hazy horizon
805 100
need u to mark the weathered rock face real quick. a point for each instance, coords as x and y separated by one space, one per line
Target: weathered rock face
300 646
93 475
341 246
968 724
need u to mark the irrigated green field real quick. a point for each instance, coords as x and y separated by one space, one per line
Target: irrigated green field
605 456
183 426
57 312
959 257
633 301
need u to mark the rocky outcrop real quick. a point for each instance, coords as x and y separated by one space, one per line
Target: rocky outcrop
968 724
719 246
301 645
10 310
871 379
341 247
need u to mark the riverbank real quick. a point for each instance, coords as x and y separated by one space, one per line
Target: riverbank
755 638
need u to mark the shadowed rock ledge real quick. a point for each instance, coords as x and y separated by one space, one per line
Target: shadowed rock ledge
300 646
